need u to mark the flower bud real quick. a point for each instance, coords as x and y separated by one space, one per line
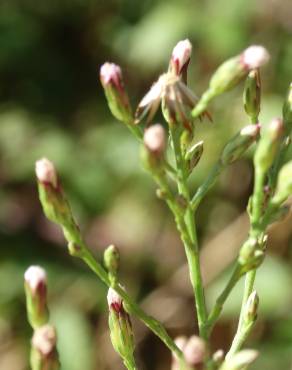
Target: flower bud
44 354
195 351
194 154
231 72
46 172
180 343
251 255
238 145
121 332
35 283
112 81
269 144
240 360
180 57
284 184
154 147
251 307
54 203
112 260
218 357
252 94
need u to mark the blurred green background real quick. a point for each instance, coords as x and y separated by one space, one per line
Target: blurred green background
52 104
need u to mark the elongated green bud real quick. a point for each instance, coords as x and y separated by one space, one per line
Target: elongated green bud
44 355
287 111
112 261
251 308
284 184
240 360
154 147
121 332
193 154
252 95
35 284
231 72
112 81
237 146
51 195
268 145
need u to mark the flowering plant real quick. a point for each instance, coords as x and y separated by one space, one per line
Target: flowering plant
170 153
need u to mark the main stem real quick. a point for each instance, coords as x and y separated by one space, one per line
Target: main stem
191 243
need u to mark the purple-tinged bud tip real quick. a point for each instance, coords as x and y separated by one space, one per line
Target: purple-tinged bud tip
255 56
46 172
154 138
114 300
181 55
35 277
110 73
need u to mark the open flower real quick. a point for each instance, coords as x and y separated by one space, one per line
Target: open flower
176 98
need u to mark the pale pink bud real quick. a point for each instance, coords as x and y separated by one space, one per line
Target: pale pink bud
195 350
181 342
255 56
44 339
114 300
181 55
251 130
154 138
110 73
46 172
35 277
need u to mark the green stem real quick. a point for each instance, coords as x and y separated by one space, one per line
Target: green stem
214 314
154 325
202 104
207 184
130 363
191 242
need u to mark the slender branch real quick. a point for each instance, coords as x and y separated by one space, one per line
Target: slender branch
191 249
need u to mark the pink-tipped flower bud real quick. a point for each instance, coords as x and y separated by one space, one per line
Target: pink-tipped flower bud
112 81
269 145
180 57
46 172
36 278
111 73
255 56
237 146
195 351
35 284
114 301
154 139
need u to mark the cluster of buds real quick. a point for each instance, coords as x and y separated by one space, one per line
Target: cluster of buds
194 350
44 354
238 145
121 332
269 145
35 284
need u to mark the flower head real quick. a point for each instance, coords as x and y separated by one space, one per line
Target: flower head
35 277
114 301
111 73
154 139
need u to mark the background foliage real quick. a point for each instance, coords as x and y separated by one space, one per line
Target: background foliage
51 104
